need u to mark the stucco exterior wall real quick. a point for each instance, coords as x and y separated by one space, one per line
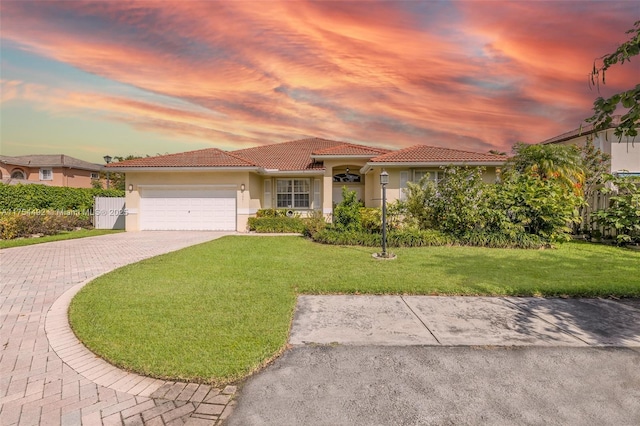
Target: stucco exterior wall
374 189
625 154
61 176
140 179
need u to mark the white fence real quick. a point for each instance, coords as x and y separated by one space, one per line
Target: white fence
108 213
597 201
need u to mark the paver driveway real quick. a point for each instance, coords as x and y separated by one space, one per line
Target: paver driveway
37 382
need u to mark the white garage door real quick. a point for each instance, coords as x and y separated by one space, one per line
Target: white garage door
174 209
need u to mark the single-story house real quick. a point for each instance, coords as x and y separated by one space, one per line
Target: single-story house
625 152
52 170
211 189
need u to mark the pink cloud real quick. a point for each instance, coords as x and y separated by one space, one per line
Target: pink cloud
370 72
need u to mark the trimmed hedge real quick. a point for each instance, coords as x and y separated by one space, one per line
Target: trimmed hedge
29 198
278 224
425 238
19 225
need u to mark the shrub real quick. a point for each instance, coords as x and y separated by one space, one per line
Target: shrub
623 213
346 215
275 213
19 225
542 207
371 219
334 236
314 223
40 197
276 224
461 202
418 204
409 237
397 216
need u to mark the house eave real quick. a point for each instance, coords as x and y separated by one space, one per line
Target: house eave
277 172
184 169
338 157
95 168
414 164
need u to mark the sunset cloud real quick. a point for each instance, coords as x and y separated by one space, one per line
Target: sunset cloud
468 75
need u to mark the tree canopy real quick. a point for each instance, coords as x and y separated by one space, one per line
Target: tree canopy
559 162
604 109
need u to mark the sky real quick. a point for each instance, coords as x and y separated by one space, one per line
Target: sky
91 78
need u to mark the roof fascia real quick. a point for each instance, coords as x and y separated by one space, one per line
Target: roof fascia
277 172
184 169
335 156
371 165
95 168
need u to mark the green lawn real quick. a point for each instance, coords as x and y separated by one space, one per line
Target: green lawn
69 235
217 311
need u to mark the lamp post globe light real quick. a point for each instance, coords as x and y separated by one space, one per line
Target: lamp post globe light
107 159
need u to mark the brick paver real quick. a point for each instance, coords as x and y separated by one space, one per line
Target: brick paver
47 377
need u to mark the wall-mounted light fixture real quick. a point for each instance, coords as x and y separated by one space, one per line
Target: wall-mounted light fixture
130 187
242 187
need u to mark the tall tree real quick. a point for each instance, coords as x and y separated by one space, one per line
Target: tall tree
559 162
604 109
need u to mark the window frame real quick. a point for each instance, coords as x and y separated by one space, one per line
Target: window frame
42 173
293 186
435 176
22 172
95 175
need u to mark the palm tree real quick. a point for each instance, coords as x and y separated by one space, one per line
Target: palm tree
551 161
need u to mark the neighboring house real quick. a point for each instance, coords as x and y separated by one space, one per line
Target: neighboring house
211 189
53 170
625 153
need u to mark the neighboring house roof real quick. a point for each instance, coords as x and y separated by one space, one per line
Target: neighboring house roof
210 157
581 131
437 155
56 160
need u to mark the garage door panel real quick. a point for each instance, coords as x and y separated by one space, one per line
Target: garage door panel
194 209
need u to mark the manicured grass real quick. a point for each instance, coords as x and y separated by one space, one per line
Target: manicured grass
69 235
217 311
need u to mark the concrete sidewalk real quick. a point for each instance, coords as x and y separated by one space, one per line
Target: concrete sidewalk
465 321
422 360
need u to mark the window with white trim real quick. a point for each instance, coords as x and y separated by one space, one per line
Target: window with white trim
95 175
293 193
46 174
434 176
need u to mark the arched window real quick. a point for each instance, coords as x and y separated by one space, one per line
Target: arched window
346 177
18 174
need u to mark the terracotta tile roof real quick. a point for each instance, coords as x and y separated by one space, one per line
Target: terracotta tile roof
55 160
351 149
290 156
434 154
210 157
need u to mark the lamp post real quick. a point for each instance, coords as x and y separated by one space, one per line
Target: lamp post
107 159
384 180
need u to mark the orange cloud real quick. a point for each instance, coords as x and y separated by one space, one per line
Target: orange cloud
472 75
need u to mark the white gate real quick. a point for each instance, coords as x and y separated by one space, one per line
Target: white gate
108 213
